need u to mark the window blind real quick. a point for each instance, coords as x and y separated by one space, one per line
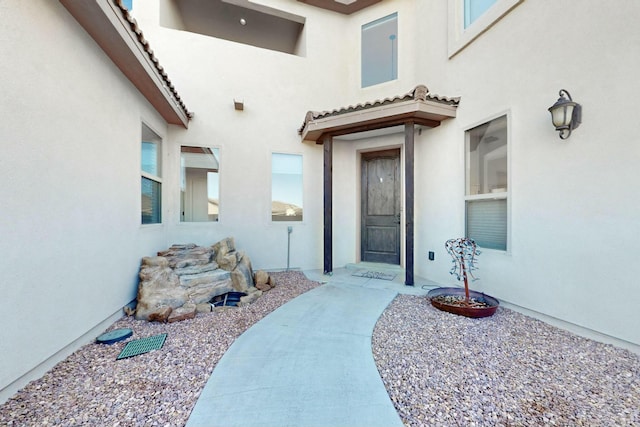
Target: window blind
487 223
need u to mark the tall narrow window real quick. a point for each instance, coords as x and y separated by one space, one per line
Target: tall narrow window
286 187
487 184
380 51
474 8
199 184
151 177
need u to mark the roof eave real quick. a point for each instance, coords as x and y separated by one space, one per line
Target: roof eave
341 7
426 113
106 23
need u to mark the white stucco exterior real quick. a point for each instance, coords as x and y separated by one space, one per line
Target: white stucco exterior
70 158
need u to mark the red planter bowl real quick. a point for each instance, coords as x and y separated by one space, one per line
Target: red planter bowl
475 312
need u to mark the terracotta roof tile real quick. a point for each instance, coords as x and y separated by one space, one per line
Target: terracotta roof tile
420 92
147 48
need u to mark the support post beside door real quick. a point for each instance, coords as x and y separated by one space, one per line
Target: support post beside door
409 136
328 204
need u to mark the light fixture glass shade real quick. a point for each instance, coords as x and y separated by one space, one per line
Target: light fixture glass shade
561 113
566 115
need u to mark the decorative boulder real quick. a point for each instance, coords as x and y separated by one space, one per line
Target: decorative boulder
181 280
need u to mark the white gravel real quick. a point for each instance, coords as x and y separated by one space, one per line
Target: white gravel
506 370
439 369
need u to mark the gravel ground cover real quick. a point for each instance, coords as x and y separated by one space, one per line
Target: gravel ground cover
160 388
507 370
439 369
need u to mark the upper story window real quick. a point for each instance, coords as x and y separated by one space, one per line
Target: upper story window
487 184
286 187
151 171
199 184
380 51
474 8
468 19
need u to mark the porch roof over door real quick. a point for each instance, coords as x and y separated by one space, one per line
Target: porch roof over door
418 106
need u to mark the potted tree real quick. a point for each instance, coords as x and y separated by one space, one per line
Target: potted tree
464 302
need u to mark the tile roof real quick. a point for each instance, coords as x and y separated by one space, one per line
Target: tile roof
147 48
419 93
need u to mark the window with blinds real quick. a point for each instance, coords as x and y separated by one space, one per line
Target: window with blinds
151 171
487 186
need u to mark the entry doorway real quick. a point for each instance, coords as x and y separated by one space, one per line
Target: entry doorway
380 207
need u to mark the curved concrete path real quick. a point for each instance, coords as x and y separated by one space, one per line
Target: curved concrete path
308 363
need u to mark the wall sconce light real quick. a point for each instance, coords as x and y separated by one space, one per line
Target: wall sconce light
566 115
238 105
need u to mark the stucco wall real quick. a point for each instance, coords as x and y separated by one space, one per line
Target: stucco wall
573 214
70 156
70 162
566 212
277 90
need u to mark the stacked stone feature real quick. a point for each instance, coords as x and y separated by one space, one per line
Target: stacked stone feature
183 279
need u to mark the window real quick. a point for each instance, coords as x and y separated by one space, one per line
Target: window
151 177
199 184
286 187
468 19
474 8
487 184
380 51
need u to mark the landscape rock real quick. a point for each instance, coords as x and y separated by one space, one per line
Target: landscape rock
190 275
187 311
203 308
253 294
261 278
160 314
242 276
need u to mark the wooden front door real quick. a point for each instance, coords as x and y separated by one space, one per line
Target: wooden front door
380 208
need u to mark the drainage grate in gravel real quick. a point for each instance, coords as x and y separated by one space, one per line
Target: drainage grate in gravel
142 345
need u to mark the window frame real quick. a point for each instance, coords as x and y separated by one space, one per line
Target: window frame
271 199
150 176
460 37
506 195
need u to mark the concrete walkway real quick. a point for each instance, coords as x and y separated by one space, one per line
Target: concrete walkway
308 363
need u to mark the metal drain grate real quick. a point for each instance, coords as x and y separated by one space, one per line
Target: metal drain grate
142 345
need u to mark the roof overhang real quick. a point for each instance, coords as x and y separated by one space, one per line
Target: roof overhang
417 106
342 6
109 23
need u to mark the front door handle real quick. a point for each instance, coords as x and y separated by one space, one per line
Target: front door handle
397 218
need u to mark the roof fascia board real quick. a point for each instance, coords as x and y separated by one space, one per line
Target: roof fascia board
428 113
105 23
247 4
344 8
